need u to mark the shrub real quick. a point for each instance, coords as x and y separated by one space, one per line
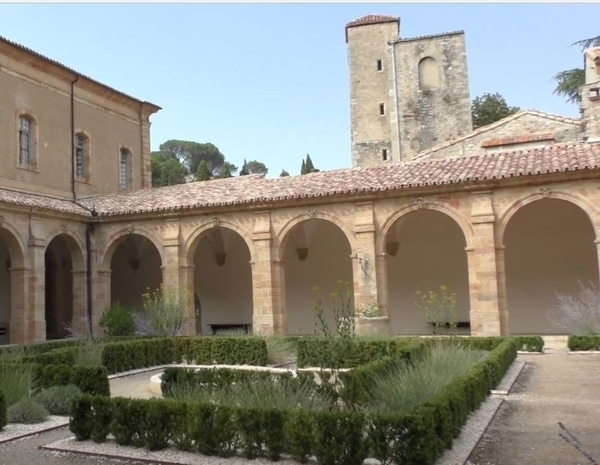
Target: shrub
164 313
92 380
88 353
27 411
584 342
439 313
344 313
280 349
16 381
578 314
58 399
531 343
117 320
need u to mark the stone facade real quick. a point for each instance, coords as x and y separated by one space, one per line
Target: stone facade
406 94
505 230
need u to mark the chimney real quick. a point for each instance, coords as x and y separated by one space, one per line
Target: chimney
590 96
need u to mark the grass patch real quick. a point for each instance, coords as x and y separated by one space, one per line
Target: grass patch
16 381
406 384
280 350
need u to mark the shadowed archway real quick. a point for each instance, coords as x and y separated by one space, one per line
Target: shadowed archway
549 249
12 290
425 249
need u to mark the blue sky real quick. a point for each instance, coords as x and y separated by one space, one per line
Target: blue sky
270 81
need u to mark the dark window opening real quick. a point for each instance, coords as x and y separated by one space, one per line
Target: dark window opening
379 65
382 109
384 154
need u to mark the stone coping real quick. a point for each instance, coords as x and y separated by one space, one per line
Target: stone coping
14 431
583 352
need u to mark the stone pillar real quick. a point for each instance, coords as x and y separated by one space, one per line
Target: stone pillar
187 281
502 296
36 313
103 300
267 315
18 307
145 146
366 271
481 255
79 301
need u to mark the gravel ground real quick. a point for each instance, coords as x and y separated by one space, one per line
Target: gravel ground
552 389
14 430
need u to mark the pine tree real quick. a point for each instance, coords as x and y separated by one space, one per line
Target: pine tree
310 168
303 169
203 173
244 171
284 173
225 172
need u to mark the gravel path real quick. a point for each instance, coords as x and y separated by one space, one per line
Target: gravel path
134 385
552 388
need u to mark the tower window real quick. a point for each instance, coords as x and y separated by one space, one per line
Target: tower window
379 65
384 154
382 109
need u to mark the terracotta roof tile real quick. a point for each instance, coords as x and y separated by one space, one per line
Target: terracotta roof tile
25 199
371 19
436 172
256 189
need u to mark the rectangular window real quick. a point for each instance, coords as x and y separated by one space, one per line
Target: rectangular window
379 65
382 109
384 154
24 141
80 155
125 169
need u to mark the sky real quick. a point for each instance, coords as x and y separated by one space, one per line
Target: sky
269 82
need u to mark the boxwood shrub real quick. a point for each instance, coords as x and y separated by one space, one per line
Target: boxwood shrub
416 438
582 343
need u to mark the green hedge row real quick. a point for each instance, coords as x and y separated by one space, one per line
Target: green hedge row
89 379
123 356
583 343
3 411
348 437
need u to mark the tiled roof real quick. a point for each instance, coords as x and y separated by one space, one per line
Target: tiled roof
424 154
436 172
371 19
70 70
256 189
24 199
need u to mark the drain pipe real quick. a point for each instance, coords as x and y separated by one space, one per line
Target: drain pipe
90 226
397 106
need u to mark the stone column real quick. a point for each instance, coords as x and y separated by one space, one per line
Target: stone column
366 270
481 255
79 300
36 313
18 305
103 300
187 281
502 296
267 315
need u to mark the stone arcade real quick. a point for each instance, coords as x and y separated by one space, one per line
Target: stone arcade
506 216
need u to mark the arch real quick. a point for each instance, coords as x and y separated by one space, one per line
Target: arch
73 243
549 248
514 207
14 242
105 255
462 222
429 74
427 251
283 235
222 278
191 244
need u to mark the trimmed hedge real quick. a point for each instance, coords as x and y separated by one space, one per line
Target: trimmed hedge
123 356
89 380
531 343
583 343
348 437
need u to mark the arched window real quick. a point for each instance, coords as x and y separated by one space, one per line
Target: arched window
82 153
26 141
429 74
125 169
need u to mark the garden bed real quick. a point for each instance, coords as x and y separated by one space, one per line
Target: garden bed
250 414
14 431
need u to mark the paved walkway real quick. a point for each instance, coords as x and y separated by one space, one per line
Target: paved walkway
552 389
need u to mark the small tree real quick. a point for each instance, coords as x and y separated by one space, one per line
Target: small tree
244 171
439 310
203 173
489 108
283 173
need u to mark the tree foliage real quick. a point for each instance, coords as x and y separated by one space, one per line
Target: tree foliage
167 170
190 154
489 108
203 173
569 81
307 166
283 173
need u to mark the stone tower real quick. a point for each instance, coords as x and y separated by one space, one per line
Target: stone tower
590 96
406 95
